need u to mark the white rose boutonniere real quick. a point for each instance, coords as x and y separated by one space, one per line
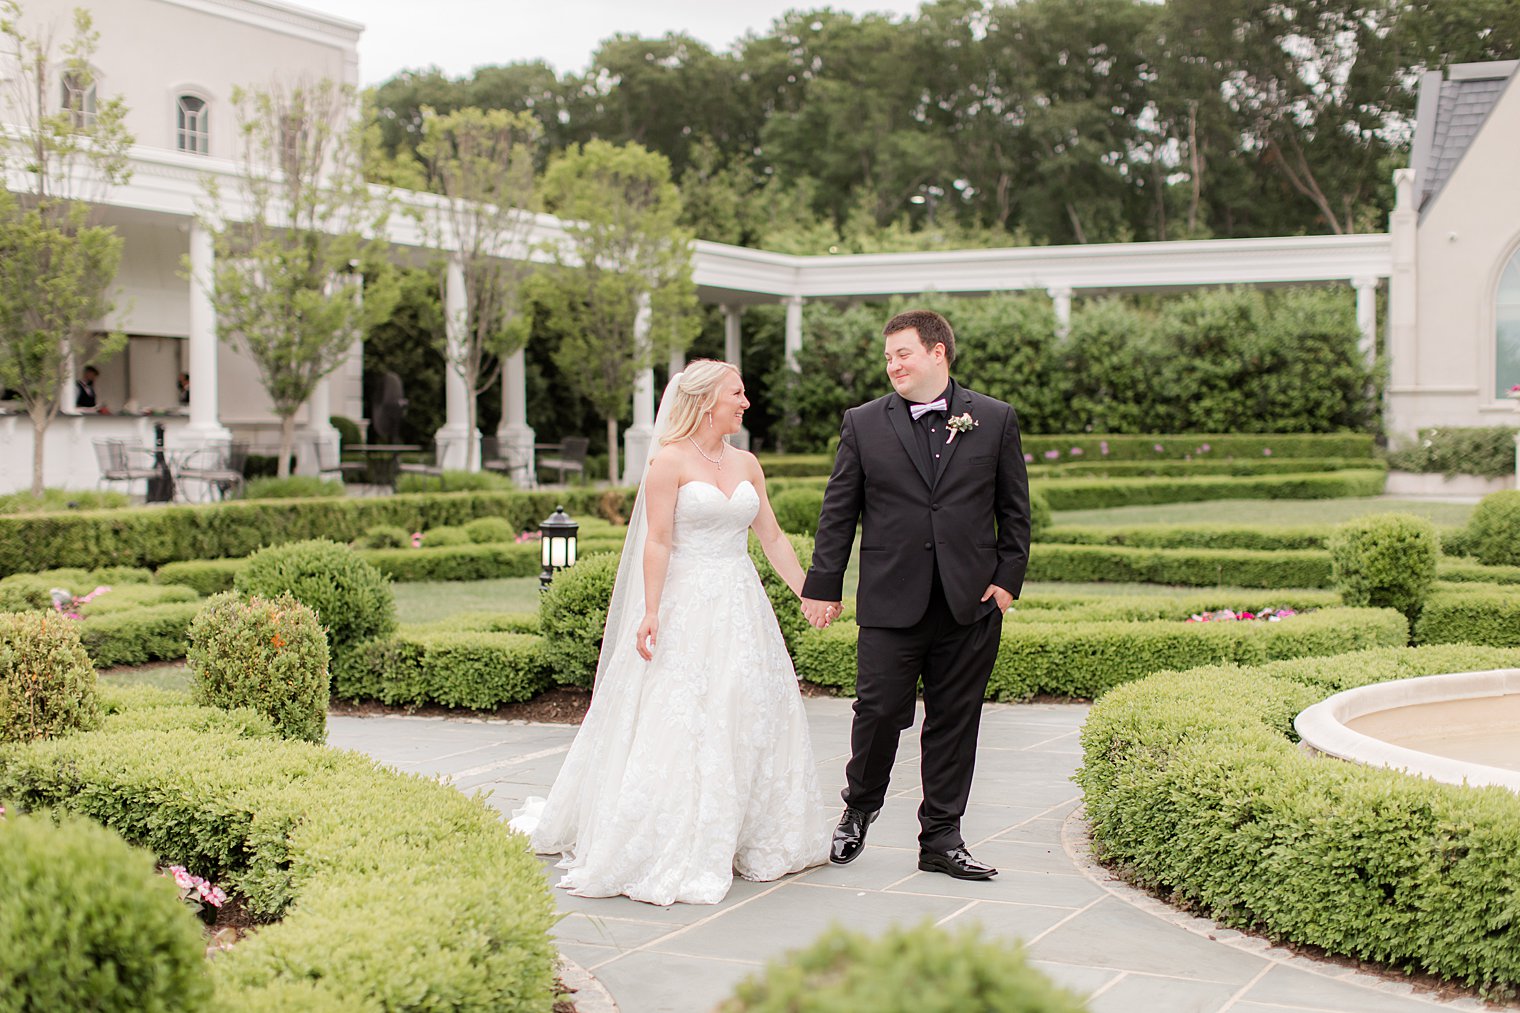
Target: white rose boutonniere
960 424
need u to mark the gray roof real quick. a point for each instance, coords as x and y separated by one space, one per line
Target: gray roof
1450 114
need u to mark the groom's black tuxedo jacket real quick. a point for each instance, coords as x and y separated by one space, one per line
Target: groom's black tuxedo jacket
971 520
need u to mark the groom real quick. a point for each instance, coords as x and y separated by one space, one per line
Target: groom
934 474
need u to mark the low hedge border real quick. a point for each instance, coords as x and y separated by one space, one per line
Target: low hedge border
1086 659
153 633
1101 493
1471 571
1483 616
1181 446
455 668
1300 568
1194 786
1081 468
158 535
1191 536
396 892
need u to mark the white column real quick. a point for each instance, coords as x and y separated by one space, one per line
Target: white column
205 410
318 430
461 447
677 361
514 434
1060 296
68 393
1366 316
793 330
637 436
1403 308
733 353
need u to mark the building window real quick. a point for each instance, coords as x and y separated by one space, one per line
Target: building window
193 129
1507 338
79 99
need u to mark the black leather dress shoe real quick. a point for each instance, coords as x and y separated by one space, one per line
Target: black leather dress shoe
850 835
957 863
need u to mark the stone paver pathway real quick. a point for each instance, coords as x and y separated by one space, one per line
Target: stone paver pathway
1126 952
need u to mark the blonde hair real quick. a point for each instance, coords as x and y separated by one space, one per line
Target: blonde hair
695 396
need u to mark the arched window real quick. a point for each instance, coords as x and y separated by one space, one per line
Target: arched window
78 98
1507 336
192 125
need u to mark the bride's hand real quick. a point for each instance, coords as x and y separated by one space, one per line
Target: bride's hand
645 638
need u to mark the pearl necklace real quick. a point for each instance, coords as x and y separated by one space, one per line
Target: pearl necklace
722 449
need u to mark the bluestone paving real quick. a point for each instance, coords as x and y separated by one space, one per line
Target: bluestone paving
1121 948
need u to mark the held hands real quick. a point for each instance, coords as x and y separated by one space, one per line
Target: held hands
1004 599
644 639
821 613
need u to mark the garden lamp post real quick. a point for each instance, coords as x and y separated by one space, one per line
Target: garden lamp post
557 541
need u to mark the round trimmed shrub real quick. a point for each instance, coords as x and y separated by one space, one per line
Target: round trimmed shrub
86 924
384 536
269 656
1385 561
444 535
47 684
1493 531
350 597
903 971
572 614
490 530
797 510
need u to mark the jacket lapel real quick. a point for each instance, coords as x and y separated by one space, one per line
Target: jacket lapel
961 405
902 422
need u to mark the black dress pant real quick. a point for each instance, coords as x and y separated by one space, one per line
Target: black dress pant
955 663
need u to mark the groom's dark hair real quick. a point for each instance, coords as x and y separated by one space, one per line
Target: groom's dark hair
932 328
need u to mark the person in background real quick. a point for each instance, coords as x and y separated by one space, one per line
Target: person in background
184 388
84 389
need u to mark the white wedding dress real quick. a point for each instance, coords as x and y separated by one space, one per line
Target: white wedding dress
695 765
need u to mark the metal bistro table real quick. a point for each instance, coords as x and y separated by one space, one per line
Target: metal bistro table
383 460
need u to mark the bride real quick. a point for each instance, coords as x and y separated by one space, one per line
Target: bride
693 762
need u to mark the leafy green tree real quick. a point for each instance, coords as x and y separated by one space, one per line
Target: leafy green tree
622 249
290 246
57 263
482 164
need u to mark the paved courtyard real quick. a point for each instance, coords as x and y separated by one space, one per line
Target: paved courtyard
1118 947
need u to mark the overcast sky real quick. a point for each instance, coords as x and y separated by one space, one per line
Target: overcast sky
460 35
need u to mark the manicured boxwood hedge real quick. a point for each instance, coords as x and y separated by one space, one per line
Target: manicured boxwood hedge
394 892
1469 571
152 537
1141 447
479 669
1198 567
1102 493
1192 536
1194 786
1489 617
1083 468
154 633
1087 658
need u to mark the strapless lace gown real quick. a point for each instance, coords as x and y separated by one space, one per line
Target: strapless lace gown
696 765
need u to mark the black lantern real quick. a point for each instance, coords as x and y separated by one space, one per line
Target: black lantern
557 538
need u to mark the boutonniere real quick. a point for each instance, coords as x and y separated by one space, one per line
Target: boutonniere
960 424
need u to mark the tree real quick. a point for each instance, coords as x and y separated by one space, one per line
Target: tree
56 263
290 248
482 164
623 250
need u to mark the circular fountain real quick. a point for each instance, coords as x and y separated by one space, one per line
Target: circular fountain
1462 728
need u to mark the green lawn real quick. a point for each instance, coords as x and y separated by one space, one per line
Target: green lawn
428 601
167 676
1268 512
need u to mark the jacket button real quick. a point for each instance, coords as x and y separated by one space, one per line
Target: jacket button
934 506
928 545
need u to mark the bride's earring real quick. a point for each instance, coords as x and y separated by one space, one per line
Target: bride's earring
709 420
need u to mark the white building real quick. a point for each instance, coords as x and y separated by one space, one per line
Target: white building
1450 257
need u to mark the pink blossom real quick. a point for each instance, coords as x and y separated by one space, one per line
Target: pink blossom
1158 448
182 878
1051 455
213 895
1028 458
1103 447
416 539
1204 449
1266 451
1076 451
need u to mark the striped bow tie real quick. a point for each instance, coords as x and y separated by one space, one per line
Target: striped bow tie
921 409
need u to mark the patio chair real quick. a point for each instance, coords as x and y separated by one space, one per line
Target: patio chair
510 463
219 469
571 458
114 458
433 470
330 463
